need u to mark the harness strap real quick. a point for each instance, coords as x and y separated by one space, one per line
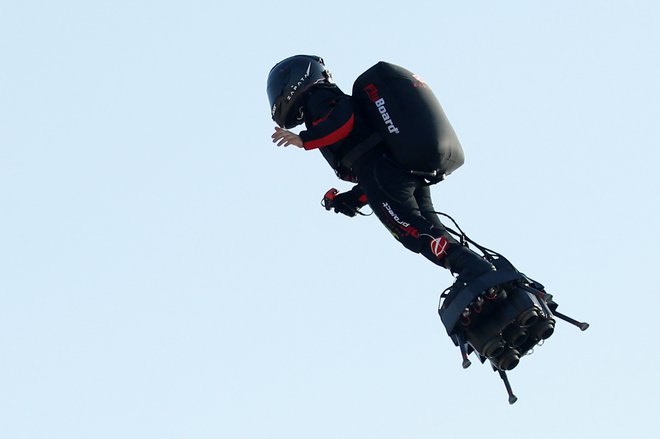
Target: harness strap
351 157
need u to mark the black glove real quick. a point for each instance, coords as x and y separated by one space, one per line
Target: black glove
347 203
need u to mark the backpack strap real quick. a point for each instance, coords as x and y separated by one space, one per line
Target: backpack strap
351 157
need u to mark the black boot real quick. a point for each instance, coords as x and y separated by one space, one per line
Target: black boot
465 264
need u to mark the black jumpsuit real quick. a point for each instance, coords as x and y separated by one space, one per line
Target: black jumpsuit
400 200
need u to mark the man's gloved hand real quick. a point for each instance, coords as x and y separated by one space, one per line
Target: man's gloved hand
347 203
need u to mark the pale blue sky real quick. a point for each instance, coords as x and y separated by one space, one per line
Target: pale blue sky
166 272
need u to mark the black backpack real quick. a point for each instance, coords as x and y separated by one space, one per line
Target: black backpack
403 110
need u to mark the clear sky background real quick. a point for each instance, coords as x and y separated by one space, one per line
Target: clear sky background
167 272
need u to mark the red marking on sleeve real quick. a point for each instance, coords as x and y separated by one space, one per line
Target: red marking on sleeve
340 133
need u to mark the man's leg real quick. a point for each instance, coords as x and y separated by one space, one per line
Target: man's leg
403 204
460 260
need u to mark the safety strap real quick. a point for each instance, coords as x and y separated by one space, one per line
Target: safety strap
354 154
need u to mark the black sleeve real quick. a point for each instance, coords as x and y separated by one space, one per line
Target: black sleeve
329 118
359 195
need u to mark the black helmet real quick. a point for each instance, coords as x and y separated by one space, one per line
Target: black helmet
288 81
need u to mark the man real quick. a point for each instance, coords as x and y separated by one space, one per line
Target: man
300 90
